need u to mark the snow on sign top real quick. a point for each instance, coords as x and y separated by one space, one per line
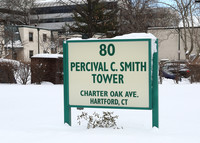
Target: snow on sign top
136 36
48 56
141 36
132 36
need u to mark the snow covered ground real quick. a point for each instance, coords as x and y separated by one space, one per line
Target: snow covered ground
34 114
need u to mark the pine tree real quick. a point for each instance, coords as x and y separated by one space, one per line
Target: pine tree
94 17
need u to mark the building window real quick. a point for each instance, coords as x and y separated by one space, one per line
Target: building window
30 53
44 37
15 56
30 36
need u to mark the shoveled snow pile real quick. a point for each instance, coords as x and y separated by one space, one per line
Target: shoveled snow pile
34 114
14 62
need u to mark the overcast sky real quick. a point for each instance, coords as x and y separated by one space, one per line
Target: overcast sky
167 1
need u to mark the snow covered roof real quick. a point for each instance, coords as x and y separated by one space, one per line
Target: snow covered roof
16 44
53 56
34 27
52 3
126 36
47 3
39 1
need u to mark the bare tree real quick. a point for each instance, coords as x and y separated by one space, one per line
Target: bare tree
45 43
2 43
12 13
163 17
17 11
7 34
50 43
23 73
138 15
134 15
188 12
25 7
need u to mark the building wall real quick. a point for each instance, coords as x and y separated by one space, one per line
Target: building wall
51 70
33 45
19 54
169 44
54 15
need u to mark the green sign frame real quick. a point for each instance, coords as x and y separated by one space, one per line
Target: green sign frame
153 80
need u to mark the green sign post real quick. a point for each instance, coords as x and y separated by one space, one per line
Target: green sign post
114 73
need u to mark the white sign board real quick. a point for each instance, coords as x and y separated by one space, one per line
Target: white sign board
109 73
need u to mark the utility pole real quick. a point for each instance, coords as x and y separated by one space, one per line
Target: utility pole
38 30
179 43
12 40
